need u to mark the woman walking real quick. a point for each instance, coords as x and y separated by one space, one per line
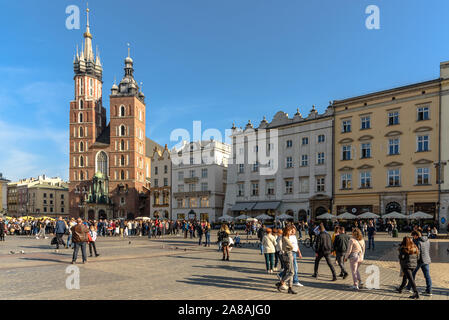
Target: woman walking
223 237
408 258
287 256
269 249
356 254
277 255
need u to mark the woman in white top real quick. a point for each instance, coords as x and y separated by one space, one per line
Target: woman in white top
356 254
269 248
93 235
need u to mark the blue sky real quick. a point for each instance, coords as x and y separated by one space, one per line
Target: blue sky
208 60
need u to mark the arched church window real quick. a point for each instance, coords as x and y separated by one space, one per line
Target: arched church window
102 163
122 145
122 130
81 175
81 132
122 175
81 161
80 118
81 146
122 160
122 111
81 104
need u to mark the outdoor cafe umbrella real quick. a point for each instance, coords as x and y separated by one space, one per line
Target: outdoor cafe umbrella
143 218
225 217
251 219
263 217
284 216
394 215
419 215
326 216
241 217
368 215
347 216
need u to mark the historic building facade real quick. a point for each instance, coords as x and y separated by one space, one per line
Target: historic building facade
160 182
3 194
199 171
386 147
298 157
117 154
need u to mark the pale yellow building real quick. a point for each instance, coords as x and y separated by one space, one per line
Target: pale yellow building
3 194
48 199
386 145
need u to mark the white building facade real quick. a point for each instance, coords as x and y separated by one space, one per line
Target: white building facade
299 155
199 172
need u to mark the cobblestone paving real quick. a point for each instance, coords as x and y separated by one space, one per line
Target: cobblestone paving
177 268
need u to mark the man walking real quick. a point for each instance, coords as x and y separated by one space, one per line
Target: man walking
79 238
371 233
423 244
340 246
323 248
60 230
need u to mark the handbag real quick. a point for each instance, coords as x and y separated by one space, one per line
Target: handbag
89 238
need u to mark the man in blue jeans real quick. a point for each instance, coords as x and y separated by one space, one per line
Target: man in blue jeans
79 238
423 244
371 233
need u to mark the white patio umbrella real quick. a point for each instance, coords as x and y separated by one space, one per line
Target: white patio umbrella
284 216
225 217
251 219
242 217
394 215
326 216
263 217
419 215
347 216
368 215
143 218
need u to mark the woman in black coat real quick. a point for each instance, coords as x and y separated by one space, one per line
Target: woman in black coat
408 259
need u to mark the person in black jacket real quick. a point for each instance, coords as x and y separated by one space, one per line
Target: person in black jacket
323 248
408 258
423 244
340 246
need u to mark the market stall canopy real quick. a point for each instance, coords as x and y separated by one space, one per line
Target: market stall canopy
419 215
368 215
394 215
264 217
326 216
225 217
242 217
284 216
243 206
347 216
271 205
143 218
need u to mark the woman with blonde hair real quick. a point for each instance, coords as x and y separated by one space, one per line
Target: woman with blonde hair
287 257
223 237
356 254
269 248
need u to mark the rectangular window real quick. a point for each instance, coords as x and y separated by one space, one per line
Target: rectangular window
320 184
255 166
346 181
394 178
180 188
288 186
156 183
192 173
192 187
289 162
304 184
393 146
241 168
270 187
180 203
203 173
240 189
393 118
165 182
423 143
346 126
305 141
289 143
422 176
423 113
204 186
255 189
180 175
365 122
366 150
320 158
321 138
346 152
304 160
165 169
365 179
204 204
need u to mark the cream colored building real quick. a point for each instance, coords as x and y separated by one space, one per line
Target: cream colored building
48 199
386 145
160 186
3 194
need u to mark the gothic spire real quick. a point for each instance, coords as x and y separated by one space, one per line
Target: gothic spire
88 51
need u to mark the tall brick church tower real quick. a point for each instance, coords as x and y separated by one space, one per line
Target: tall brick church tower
109 164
